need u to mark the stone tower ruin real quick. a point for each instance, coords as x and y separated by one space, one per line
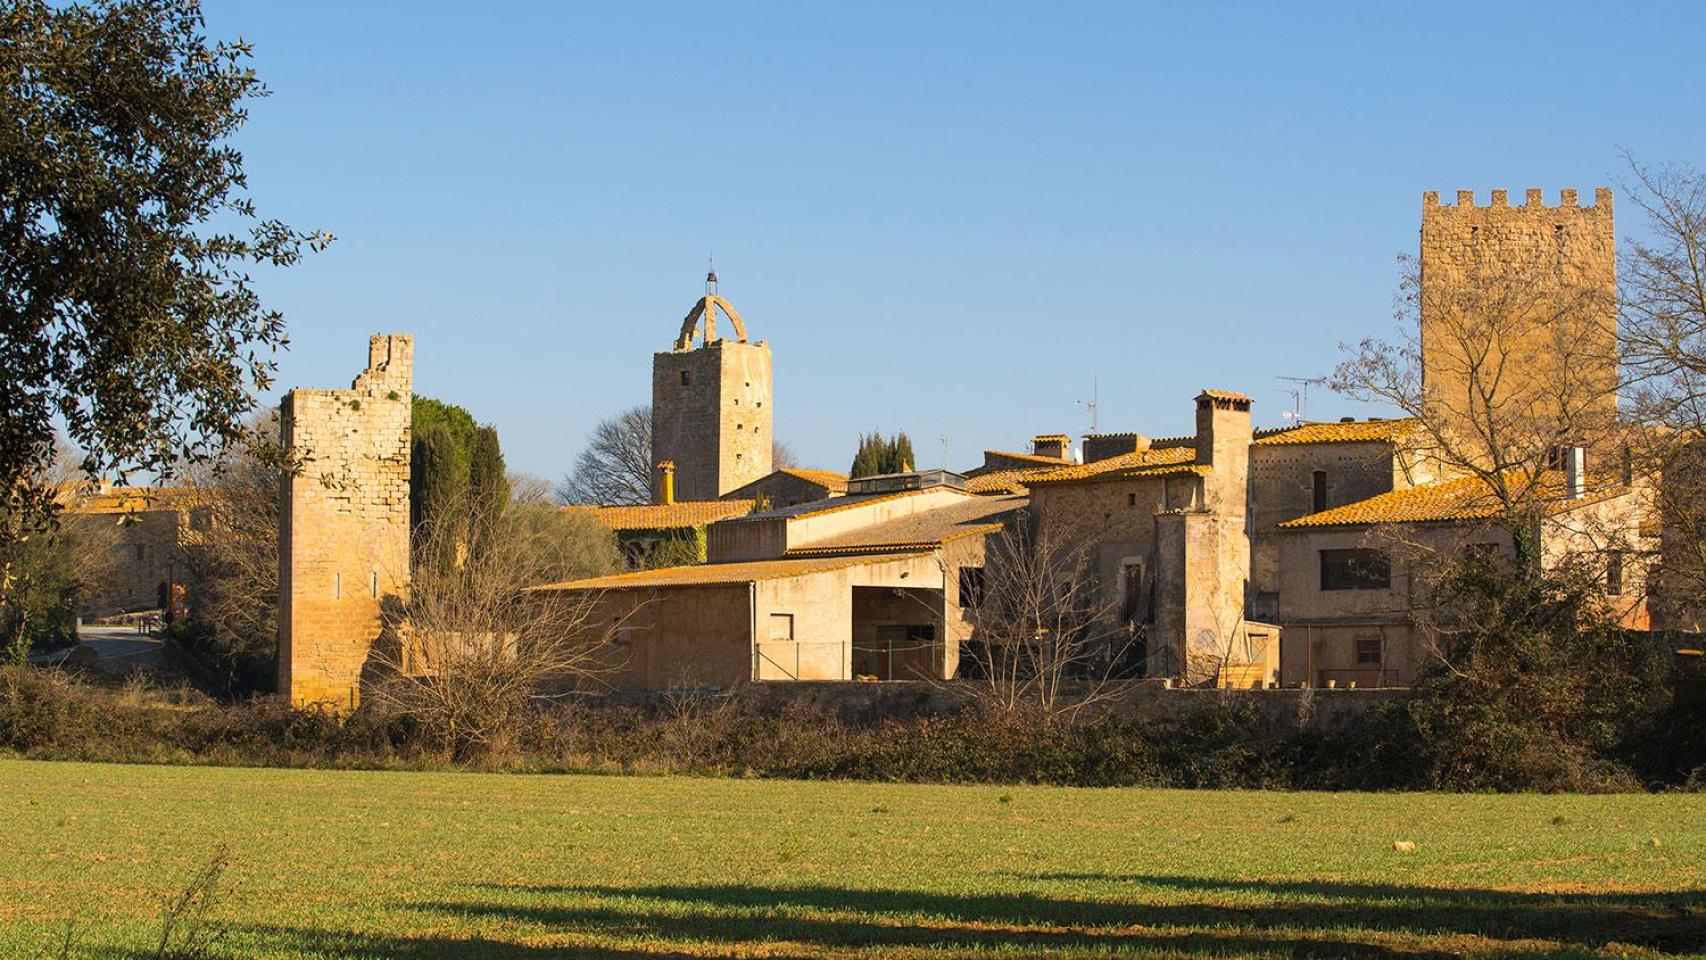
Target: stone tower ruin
344 524
711 411
1521 299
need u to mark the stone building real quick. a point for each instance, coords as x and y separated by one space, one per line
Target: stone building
1314 467
711 413
344 524
791 486
1167 524
871 584
144 532
1521 301
1354 599
671 533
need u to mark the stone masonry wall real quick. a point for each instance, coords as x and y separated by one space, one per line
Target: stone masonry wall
711 415
344 530
1548 275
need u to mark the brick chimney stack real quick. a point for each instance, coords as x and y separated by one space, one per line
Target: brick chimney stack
1054 445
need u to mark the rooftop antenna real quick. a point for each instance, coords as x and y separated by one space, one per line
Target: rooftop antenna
1091 404
943 440
1299 397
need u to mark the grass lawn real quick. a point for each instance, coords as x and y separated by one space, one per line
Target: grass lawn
393 865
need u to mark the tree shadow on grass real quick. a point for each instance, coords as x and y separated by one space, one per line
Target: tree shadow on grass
1331 919
1305 919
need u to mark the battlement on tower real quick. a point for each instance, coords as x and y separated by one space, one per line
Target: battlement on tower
1534 199
1521 300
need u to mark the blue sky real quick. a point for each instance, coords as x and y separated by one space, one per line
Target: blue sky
945 218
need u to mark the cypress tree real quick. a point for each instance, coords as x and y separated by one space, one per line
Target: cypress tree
903 461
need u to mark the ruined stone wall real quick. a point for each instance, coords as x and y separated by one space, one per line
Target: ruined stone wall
344 525
1531 288
711 415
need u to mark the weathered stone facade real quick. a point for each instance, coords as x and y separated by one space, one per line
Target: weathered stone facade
344 524
711 412
1522 300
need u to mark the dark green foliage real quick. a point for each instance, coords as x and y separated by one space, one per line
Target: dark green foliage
453 458
672 548
126 238
456 470
879 455
903 458
487 487
48 573
1535 686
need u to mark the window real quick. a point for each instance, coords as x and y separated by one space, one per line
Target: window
1369 651
1131 499
684 378
1131 589
1614 573
375 585
337 586
971 588
781 627
1318 491
141 552
1358 569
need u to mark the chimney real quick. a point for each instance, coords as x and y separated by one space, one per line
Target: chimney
666 482
1223 445
1575 473
1223 425
1050 445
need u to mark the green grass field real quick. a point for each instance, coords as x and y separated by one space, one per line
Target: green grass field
394 865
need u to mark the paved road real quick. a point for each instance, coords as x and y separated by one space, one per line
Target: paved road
120 647
116 649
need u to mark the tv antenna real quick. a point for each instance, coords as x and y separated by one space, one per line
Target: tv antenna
1092 404
943 440
1299 397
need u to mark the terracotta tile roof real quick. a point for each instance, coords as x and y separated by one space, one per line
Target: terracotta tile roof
828 479
1003 481
716 574
658 516
1464 498
926 530
1358 431
1126 465
133 499
1026 457
835 504
1226 395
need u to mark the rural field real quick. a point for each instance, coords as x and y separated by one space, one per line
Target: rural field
417 865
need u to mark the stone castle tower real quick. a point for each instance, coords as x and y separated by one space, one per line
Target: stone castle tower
1521 296
344 524
711 405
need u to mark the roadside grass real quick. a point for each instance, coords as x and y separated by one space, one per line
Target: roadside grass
423 865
